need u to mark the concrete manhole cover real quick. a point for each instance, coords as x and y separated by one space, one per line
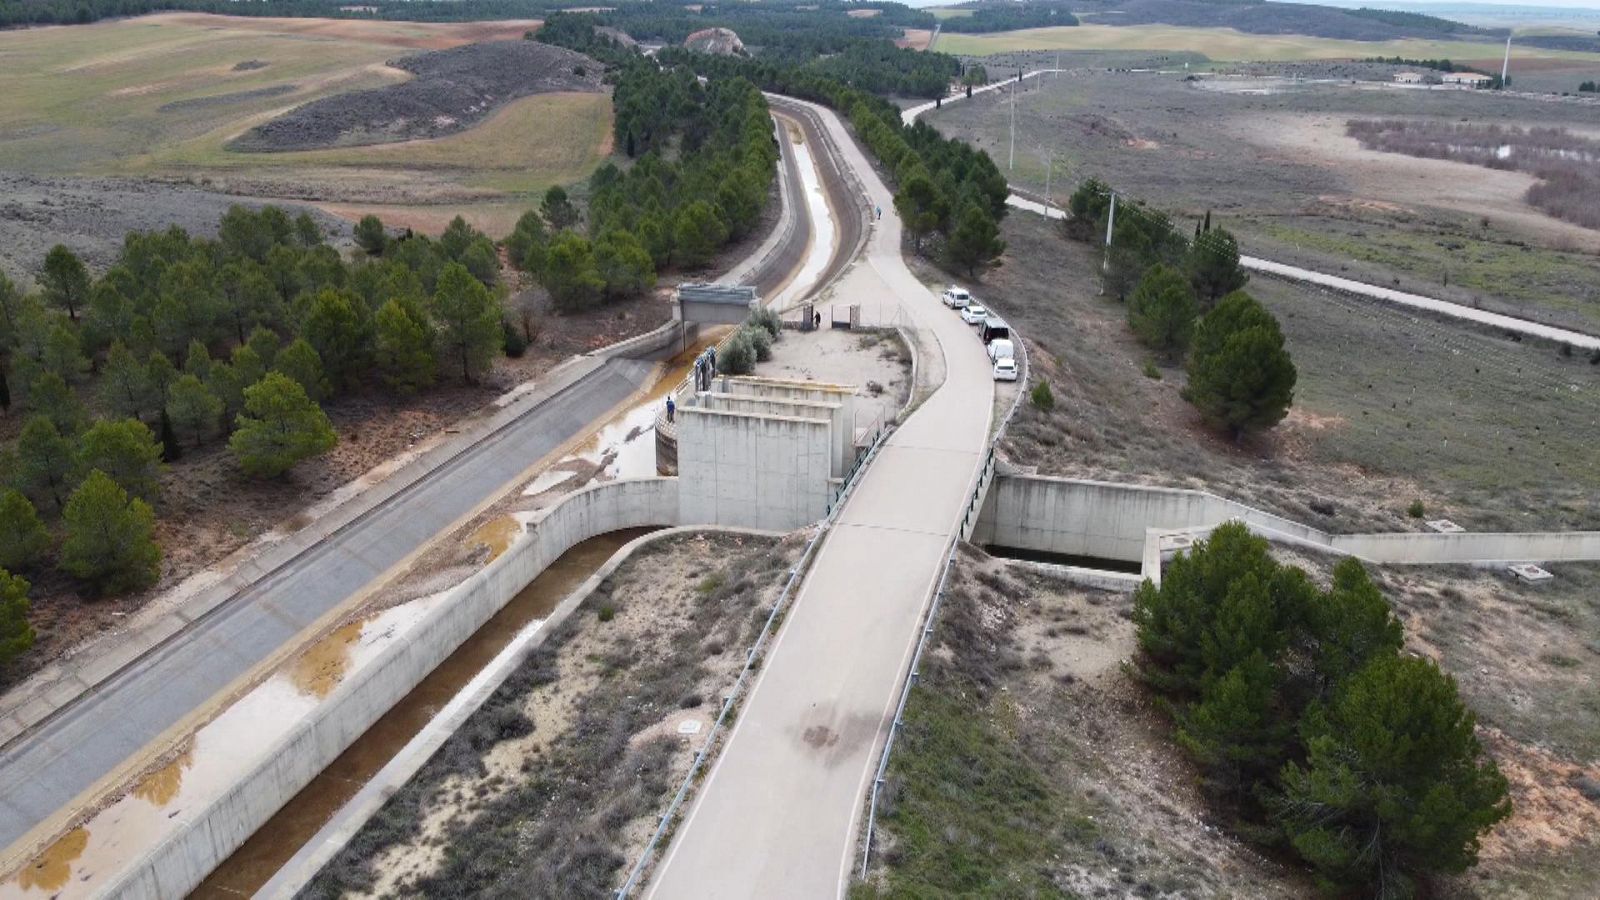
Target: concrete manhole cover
689 726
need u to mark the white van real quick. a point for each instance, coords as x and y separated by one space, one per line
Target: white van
956 297
1000 348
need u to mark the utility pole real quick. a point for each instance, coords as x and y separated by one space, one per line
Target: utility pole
1012 164
1105 264
1505 67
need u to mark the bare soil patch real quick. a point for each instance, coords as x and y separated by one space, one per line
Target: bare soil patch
915 38
451 91
559 777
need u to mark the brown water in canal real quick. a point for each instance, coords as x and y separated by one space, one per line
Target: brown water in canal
253 864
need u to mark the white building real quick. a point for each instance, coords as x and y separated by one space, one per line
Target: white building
1408 77
1468 79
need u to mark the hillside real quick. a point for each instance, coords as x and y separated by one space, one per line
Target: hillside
1276 18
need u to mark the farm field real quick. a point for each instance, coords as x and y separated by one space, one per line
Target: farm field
157 98
1271 159
1220 44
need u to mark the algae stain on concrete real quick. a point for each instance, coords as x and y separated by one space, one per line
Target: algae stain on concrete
53 868
322 666
496 534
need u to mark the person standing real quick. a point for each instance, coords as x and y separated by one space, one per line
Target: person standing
672 409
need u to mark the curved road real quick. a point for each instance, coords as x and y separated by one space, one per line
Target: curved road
92 744
777 813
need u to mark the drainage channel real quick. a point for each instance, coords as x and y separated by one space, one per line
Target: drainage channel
254 863
1077 561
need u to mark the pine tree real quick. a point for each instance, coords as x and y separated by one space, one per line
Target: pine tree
623 264
23 538
264 343
300 362
162 375
697 234
279 426
49 396
1213 265
1240 375
65 280
1161 310
63 354
405 347
109 541
1348 627
528 244
193 411
197 361
975 243
125 450
16 635
1176 619
370 235
469 322
125 386
570 274
558 209
922 208
1237 732
1394 784
335 329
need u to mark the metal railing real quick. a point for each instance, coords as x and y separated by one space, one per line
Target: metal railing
968 522
751 657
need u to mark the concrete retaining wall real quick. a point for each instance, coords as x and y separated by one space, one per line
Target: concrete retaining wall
752 471
175 866
837 414
1093 518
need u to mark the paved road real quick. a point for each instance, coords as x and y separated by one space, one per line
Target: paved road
70 752
777 814
49 768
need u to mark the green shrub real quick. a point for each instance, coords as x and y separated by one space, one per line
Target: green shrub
1150 370
1042 398
767 319
1416 509
760 341
607 612
738 357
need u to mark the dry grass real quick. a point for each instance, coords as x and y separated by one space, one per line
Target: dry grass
1389 408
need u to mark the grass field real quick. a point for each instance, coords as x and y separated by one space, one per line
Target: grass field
158 97
1388 408
1220 44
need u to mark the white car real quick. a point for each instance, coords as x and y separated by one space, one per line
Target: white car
1000 348
956 297
974 314
1005 369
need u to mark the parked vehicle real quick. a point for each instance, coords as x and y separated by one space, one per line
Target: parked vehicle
1005 369
1002 348
974 314
994 329
956 297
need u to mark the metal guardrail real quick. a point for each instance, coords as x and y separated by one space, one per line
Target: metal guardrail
751 656
968 521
